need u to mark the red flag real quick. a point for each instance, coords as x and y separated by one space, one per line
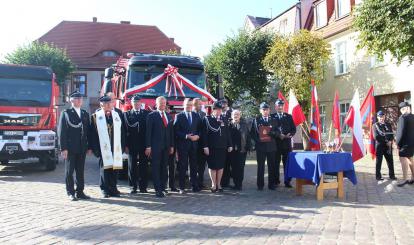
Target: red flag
286 105
315 128
353 120
295 110
368 119
336 122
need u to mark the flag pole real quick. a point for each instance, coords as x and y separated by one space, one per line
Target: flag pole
343 139
304 130
329 135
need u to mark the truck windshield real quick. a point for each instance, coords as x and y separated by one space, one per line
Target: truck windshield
25 92
143 73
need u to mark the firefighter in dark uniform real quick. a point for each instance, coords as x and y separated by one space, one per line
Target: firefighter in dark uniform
73 136
135 120
383 145
284 141
265 146
227 171
108 177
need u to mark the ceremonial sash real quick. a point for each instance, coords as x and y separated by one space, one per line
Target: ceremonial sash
109 160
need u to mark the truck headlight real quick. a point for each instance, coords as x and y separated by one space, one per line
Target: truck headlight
47 137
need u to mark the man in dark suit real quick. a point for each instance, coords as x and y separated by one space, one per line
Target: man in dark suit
284 141
73 136
405 142
159 143
227 171
107 142
187 128
135 121
264 131
383 145
201 157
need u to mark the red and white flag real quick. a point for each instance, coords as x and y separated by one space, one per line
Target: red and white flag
315 129
295 109
336 122
286 105
354 121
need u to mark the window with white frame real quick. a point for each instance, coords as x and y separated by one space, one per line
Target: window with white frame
321 14
79 83
343 7
376 62
283 26
341 66
322 113
343 111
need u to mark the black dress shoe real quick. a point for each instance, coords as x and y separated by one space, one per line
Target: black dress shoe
165 192
213 189
288 185
403 183
143 191
202 187
82 195
105 195
181 191
411 182
393 178
115 194
380 178
72 197
159 194
133 191
174 190
196 189
220 190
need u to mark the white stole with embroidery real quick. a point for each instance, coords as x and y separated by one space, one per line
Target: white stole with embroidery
109 160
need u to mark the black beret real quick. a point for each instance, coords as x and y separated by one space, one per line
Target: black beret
217 105
403 104
279 102
224 101
264 105
136 97
105 98
75 94
380 113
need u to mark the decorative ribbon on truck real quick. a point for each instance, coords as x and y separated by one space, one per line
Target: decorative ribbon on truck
174 83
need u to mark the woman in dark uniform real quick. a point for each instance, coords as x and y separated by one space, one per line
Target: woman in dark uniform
217 142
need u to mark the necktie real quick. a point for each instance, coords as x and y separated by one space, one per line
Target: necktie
189 118
164 119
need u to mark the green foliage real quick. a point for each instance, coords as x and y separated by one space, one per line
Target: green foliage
296 60
43 54
386 25
238 60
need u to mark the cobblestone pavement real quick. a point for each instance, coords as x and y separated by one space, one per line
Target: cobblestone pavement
34 209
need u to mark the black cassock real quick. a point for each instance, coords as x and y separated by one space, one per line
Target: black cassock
73 137
108 177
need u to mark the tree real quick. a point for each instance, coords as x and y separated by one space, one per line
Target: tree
386 25
296 60
43 54
238 60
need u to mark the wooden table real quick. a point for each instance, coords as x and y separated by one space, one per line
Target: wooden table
337 185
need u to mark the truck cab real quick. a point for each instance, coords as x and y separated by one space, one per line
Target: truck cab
28 96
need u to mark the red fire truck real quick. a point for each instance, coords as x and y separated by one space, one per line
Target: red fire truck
152 75
28 96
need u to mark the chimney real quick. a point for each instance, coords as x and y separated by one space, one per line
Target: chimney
172 39
125 22
94 19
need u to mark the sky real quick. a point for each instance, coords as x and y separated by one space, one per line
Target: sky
196 25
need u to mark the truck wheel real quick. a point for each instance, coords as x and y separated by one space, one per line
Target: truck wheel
49 162
4 162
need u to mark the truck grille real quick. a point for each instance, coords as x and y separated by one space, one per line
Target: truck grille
19 119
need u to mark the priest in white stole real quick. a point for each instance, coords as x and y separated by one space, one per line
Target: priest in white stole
107 143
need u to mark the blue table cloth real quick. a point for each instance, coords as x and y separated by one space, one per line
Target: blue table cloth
311 165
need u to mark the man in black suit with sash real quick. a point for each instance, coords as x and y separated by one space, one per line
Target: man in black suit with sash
405 142
201 157
383 145
284 140
73 137
187 129
159 141
264 131
135 121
